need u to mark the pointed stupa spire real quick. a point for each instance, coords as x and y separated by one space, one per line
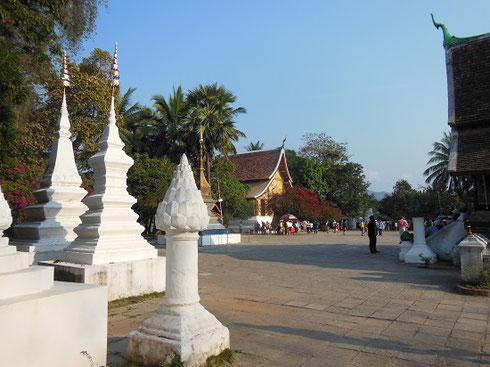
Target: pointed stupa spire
115 71
49 225
109 232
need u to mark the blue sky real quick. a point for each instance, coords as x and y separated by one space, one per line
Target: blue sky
369 73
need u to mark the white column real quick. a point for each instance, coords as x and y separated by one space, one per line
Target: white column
181 273
182 325
419 250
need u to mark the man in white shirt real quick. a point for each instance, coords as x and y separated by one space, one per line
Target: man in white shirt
380 225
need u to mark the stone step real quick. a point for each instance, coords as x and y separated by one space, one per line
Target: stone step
12 262
26 281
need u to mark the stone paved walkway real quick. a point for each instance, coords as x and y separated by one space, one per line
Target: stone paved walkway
324 300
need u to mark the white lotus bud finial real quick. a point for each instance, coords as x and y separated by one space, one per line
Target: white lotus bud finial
65 77
182 209
115 70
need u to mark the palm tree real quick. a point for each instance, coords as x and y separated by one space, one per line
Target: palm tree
211 115
254 146
129 121
437 173
169 119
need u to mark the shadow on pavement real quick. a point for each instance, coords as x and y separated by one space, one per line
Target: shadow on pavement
382 267
377 343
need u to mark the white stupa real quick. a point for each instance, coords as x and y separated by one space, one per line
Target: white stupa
49 225
47 315
109 238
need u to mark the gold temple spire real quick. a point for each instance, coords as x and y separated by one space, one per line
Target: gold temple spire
203 183
115 71
65 77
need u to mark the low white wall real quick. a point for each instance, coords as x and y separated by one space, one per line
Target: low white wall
220 239
52 328
125 279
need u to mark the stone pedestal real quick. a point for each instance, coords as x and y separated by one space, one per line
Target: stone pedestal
419 251
181 326
471 257
404 248
109 240
61 323
49 225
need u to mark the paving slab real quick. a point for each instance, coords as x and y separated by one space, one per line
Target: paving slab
324 300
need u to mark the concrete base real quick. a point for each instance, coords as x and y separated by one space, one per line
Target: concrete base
59 327
418 252
404 247
188 331
40 253
125 279
220 239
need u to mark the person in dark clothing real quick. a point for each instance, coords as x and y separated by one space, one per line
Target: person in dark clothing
372 235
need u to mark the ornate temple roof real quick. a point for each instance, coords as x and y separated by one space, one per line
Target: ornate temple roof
256 169
468 80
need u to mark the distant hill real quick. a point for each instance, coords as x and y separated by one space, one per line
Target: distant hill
379 195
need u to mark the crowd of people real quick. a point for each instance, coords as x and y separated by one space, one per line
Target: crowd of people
434 225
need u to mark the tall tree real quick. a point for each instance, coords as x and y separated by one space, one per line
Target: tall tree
400 202
323 165
322 148
131 117
31 32
254 146
211 114
167 135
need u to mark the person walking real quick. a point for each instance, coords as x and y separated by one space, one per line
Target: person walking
403 225
380 224
372 235
361 226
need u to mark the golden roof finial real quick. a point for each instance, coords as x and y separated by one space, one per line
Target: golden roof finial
115 70
65 77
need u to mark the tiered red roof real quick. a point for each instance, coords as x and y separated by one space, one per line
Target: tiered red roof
256 169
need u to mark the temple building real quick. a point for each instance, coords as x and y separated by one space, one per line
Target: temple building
468 81
266 173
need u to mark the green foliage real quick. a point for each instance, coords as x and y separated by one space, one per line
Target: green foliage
123 302
225 358
432 201
323 166
323 149
18 184
400 203
31 32
477 278
233 193
148 180
211 114
347 187
254 146
13 92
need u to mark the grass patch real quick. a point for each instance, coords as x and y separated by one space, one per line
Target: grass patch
133 300
225 358
477 278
